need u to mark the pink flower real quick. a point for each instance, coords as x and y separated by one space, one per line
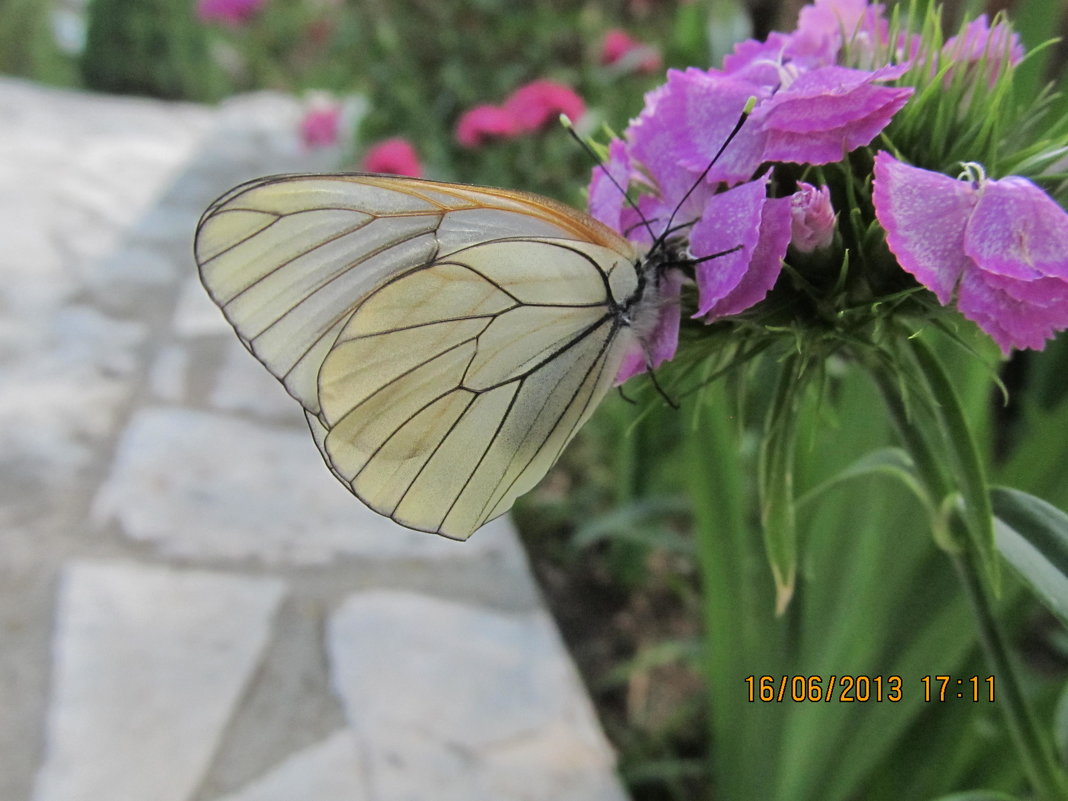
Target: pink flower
999 248
829 111
228 12
395 156
539 103
812 225
321 124
759 227
484 123
979 41
618 48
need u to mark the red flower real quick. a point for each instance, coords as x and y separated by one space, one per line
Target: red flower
539 103
617 47
483 124
228 12
396 156
320 125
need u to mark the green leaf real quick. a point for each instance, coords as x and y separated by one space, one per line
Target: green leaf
776 473
893 462
640 522
1032 535
1060 726
964 459
979 795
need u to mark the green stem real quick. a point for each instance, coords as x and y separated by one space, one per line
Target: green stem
776 470
1050 783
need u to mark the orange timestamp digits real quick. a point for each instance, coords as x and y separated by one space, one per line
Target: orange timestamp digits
843 689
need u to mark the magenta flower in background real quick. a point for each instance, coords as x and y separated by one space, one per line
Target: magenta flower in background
825 26
979 41
618 48
228 12
812 218
321 124
539 103
999 248
396 156
483 124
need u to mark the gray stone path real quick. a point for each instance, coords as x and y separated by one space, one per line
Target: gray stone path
191 607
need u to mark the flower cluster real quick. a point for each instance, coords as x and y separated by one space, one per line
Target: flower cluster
625 53
396 156
321 124
996 249
530 108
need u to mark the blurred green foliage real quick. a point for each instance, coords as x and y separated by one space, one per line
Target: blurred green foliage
148 47
27 44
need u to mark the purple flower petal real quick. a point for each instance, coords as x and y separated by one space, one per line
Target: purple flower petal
924 214
825 24
1016 230
828 112
605 202
756 62
766 263
1011 323
745 217
999 247
731 219
660 344
979 41
686 122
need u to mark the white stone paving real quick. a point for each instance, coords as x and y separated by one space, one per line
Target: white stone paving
505 716
148 663
191 607
332 770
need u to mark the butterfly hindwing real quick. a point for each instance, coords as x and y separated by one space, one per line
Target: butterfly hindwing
445 341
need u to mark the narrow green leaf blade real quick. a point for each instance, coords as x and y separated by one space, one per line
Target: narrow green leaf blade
1032 535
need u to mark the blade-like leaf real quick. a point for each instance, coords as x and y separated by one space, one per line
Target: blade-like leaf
894 462
1032 535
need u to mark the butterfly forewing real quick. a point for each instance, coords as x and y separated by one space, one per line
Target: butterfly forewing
445 341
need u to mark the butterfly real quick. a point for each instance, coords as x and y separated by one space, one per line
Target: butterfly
446 341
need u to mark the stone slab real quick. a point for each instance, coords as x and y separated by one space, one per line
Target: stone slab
473 702
328 771
148 665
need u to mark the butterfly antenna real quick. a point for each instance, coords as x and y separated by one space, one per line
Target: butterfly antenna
566 122
749 104
674 404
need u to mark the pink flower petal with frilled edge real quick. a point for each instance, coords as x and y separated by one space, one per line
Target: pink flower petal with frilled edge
828 112
1011 323
766 263
662 342
924 215
684 124
1018 231
731 219
742 217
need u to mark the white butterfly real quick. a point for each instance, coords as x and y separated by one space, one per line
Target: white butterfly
445 341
